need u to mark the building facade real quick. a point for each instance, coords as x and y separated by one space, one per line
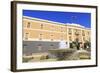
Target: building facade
79 32
41 35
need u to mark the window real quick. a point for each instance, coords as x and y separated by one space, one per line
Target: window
26 36
41 26
51 37
70 31
70 38
83 33
77 39
40 36
61 29
28 25
76 32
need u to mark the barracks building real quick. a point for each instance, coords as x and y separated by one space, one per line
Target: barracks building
40 35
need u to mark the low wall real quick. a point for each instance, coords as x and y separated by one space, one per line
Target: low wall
30 47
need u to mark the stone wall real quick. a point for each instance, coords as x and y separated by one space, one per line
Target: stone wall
30 47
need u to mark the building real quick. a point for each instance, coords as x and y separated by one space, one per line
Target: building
76 31
41 35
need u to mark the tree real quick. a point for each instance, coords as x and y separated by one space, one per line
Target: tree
75 44
87 45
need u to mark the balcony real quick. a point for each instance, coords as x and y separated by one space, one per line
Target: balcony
76 33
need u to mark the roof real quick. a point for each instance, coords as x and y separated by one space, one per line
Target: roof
77 25
27 17
67 24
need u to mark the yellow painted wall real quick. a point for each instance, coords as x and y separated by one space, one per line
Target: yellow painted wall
52 31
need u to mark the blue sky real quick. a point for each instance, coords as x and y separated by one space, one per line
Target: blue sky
83 19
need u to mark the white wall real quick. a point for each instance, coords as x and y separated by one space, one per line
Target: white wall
5 38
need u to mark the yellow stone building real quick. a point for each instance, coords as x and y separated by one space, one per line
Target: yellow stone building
76 31
35 29
39 34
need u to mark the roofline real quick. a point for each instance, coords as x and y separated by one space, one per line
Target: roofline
43 20
78 26
67 24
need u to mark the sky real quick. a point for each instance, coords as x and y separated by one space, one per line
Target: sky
83 19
